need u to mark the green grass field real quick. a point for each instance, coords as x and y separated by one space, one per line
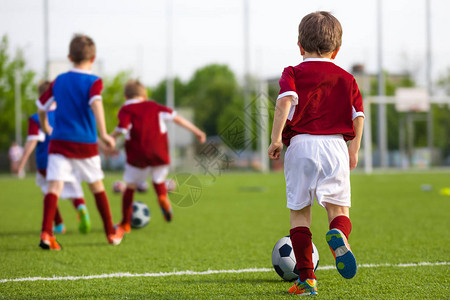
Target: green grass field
233 226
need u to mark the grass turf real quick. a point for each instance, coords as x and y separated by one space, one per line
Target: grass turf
233 226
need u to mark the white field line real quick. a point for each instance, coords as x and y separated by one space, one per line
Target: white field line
179 273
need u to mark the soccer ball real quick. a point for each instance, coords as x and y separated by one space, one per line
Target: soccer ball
119 187
142 187
140 215
283 259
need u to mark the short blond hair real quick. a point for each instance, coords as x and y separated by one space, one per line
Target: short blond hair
320 32
134 88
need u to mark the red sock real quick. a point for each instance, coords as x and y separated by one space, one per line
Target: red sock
303 249
101 200
50 204
58 218
78 201
343 224
127 206
160 189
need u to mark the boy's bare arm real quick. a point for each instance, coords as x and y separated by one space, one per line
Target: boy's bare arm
200 135
43 121
99 114
28 149
353 147
279 119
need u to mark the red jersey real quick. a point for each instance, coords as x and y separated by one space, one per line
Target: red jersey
143 122
326 99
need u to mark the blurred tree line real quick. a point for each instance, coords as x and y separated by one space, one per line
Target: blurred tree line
10 69
214 94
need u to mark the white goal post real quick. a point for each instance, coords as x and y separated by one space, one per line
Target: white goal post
406 100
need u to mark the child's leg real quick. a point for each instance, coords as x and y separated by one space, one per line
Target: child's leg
132 175
101 200
74 191
159 175
338 217
84 225
77 202
302 243
127 205
58 217
50 205
163 200
337 239
59 223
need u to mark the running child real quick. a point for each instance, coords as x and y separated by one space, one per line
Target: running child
38 140
319 108
73 150
147 147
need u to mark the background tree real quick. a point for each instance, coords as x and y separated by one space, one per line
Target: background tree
159 92
113 97
28 91
441 114
210 92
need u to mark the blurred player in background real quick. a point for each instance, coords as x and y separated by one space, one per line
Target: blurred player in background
318 109
72 190
73 149
147 146
14 154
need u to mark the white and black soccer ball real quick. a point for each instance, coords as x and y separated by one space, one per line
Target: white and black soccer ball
119 187
140 215
283 259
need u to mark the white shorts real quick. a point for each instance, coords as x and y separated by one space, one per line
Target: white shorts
136 175
317 166
66 169
71 190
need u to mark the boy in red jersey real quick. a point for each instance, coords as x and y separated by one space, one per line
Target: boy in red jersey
73 150
318 109
147 146
72 190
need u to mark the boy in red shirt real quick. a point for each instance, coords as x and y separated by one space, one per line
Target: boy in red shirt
147 146
318 109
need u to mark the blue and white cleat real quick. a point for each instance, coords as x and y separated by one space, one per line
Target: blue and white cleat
345 260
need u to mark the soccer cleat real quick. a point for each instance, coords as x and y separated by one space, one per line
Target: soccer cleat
166 208
125 227
345 260
83 217
116 237
60 228
308 287
48 242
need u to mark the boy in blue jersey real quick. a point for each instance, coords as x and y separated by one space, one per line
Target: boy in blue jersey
73 150
36 139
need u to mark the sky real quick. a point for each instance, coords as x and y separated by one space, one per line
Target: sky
132 35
